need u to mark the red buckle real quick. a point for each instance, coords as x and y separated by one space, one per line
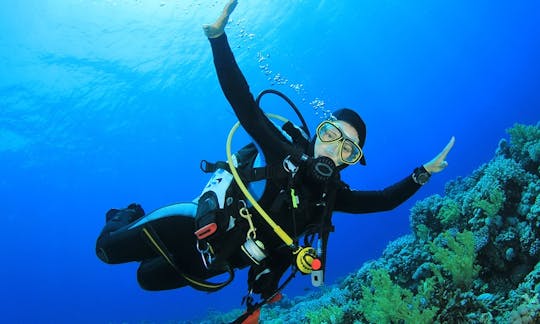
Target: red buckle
206 231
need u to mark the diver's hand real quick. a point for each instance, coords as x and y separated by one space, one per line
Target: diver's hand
439 162
218 27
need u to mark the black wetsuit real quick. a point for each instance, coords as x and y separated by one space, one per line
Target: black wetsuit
122 241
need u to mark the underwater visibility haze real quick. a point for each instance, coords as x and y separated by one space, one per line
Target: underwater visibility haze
105 103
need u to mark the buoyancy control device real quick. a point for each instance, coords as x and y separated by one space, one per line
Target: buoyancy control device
222 219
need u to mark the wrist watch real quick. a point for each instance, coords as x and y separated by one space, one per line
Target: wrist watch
421 175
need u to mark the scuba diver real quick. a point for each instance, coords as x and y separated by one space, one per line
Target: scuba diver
230 226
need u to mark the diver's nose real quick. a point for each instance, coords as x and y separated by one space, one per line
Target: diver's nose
331 149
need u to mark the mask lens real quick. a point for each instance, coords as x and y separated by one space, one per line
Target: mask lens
328 132
350 152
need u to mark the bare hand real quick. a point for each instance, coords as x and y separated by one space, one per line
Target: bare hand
218 27
439 162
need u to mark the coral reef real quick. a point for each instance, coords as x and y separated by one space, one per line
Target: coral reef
472 257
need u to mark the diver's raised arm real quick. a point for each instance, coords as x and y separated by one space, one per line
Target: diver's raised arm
218 27
236 89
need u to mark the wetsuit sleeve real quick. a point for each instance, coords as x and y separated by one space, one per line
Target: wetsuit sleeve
358 202
236 90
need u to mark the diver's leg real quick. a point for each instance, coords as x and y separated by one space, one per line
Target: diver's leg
118 218
123 238
173 237
171 230
157 274
117 243
218 27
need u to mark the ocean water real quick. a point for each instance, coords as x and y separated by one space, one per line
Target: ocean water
104 103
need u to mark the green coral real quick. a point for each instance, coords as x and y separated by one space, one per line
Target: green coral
525 138
525 146
385 302
422 232
330 304
491 202
450 212
215 316
327 315
459 258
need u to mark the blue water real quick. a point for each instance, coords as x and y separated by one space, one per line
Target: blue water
104 103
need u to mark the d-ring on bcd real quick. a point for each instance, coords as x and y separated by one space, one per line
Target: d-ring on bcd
244 212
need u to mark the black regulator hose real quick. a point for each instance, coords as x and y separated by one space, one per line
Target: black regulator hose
290 102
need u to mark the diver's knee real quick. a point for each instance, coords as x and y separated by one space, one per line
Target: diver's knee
101 251
157 274
144 280
102 255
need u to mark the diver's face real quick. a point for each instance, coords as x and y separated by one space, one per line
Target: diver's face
335 150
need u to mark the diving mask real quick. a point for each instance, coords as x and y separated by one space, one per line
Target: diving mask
348 150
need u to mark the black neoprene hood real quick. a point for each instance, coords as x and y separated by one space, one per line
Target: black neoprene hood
351 117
